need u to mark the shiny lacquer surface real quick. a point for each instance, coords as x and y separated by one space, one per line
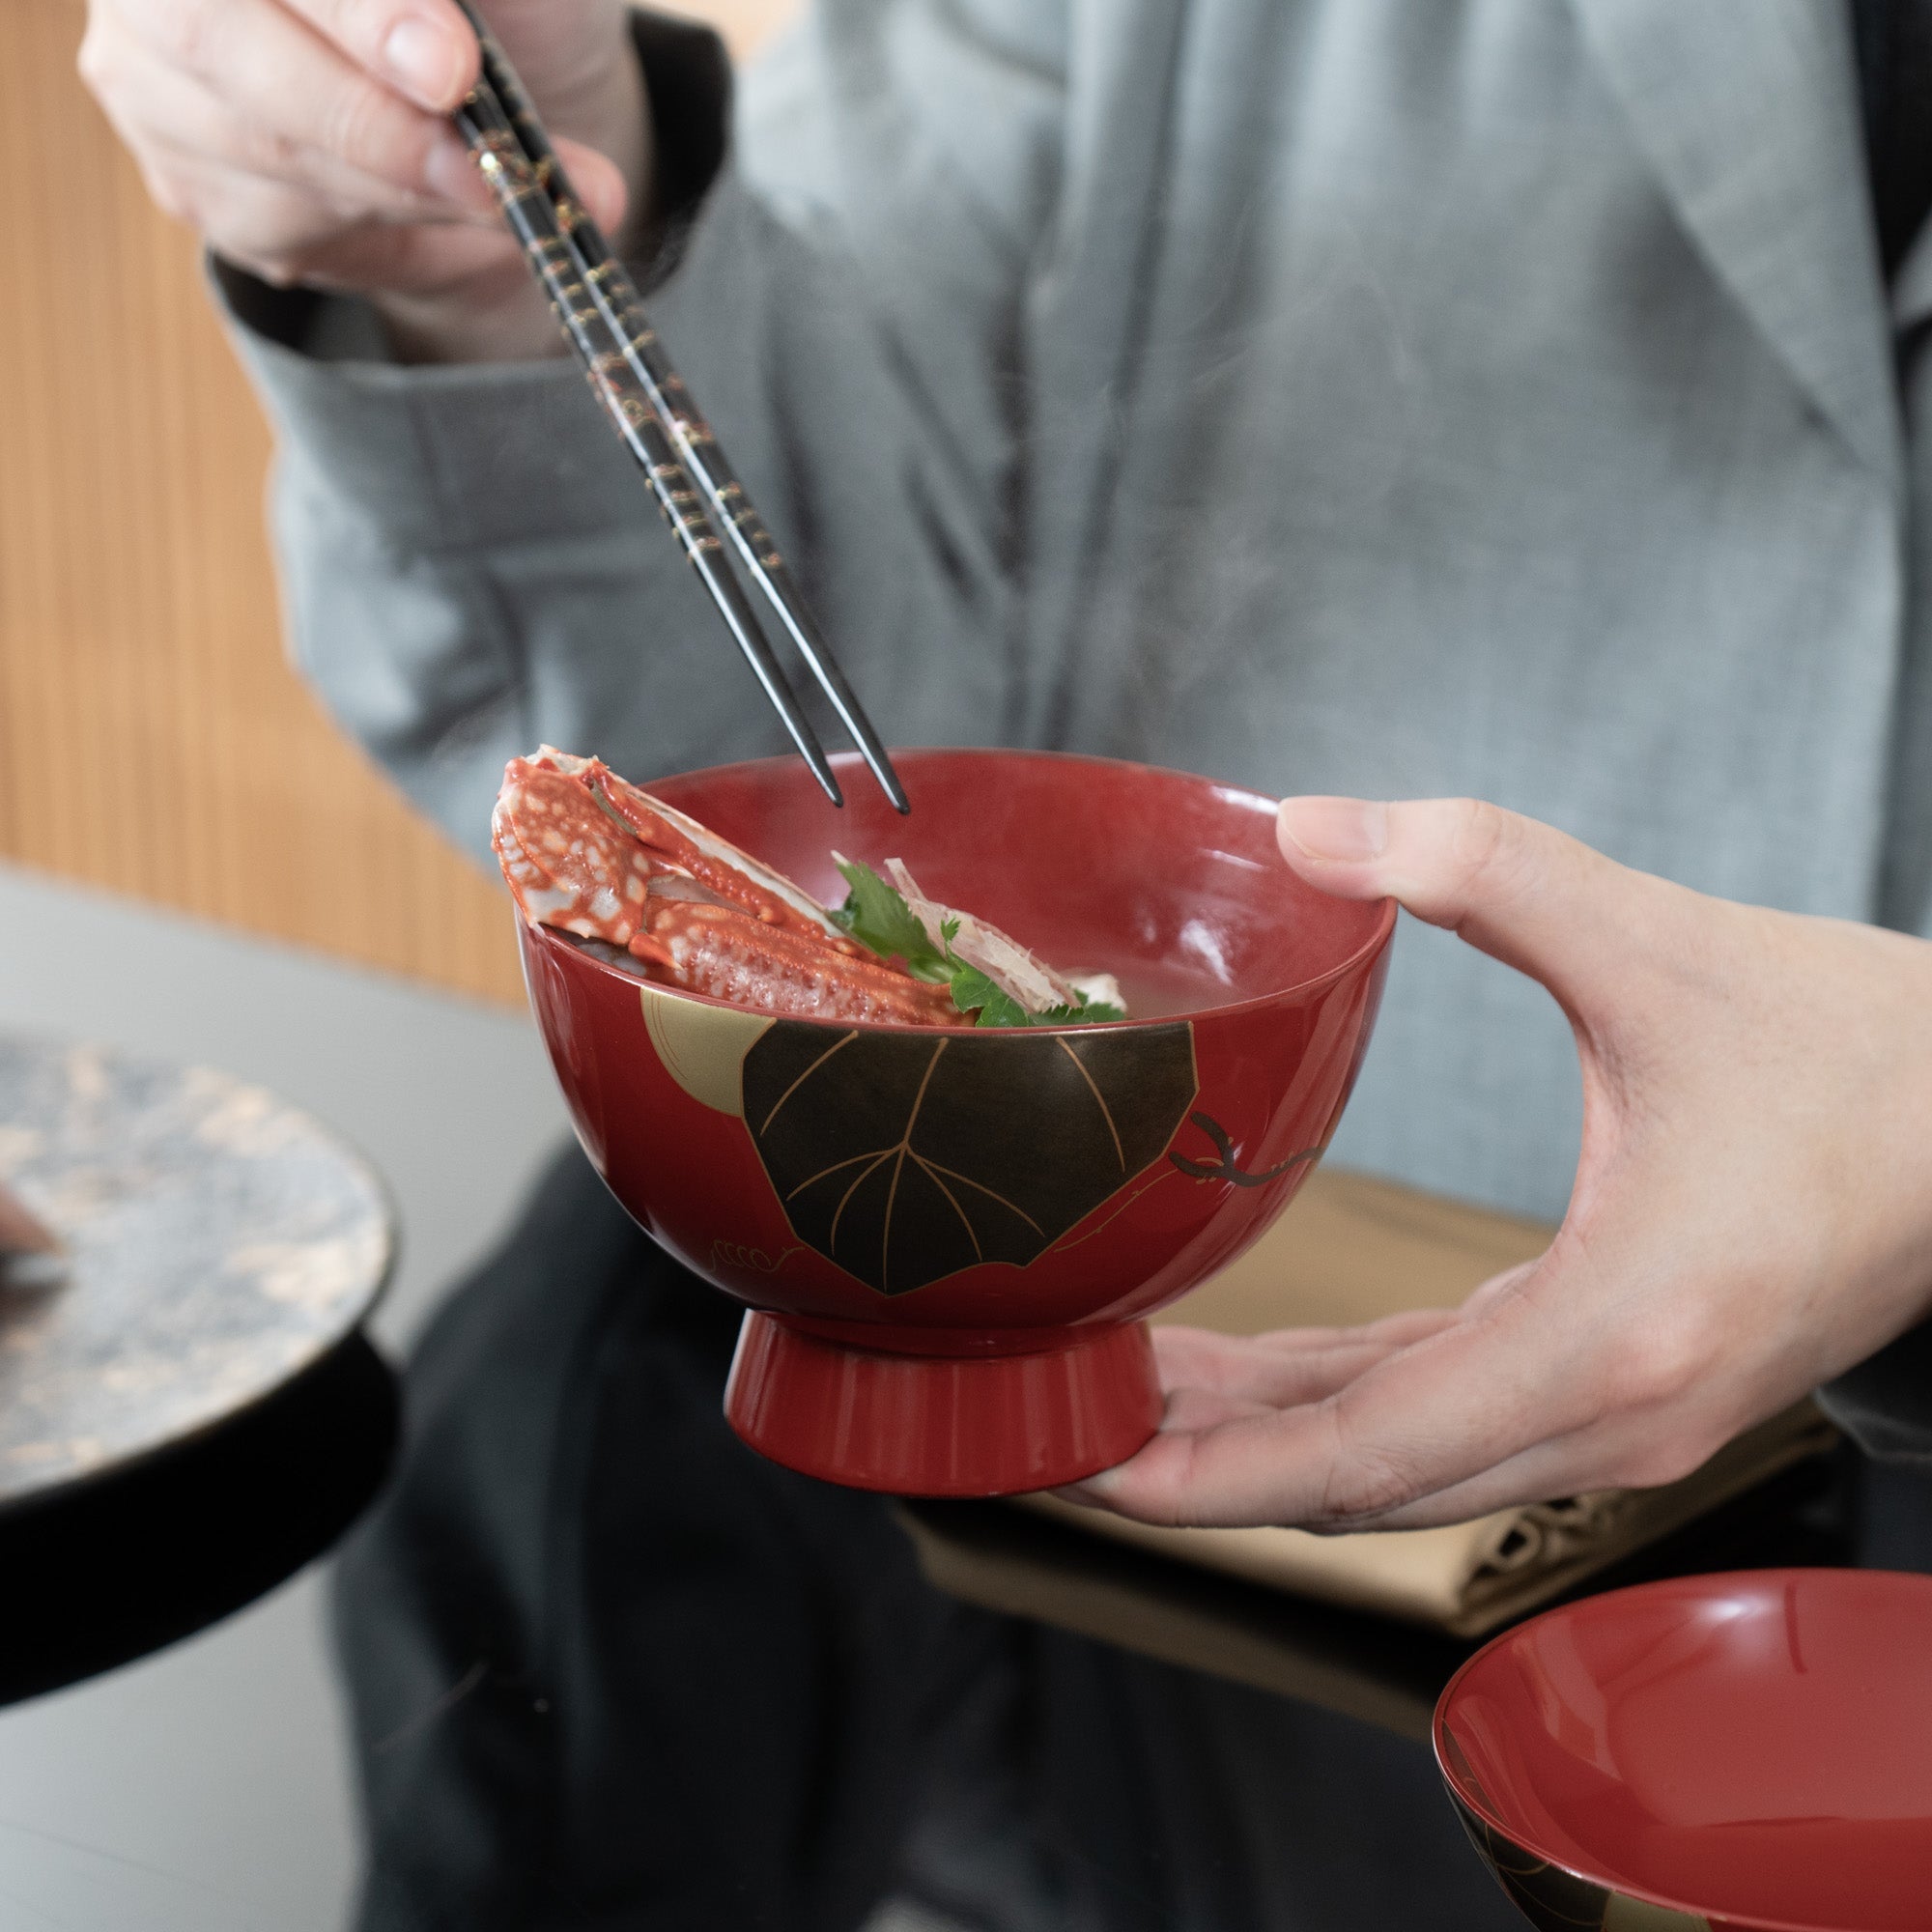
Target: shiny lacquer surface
927 1215
1748 1750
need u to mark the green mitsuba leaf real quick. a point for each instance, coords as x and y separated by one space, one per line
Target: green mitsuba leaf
1083 1013
876 915
974 992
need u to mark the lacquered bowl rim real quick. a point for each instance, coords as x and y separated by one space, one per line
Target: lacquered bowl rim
1675 1586
845 761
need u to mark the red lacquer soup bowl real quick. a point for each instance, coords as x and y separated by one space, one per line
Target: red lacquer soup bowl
1749 1752
949 1236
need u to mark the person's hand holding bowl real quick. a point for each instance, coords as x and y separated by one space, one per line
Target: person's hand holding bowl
1751 1216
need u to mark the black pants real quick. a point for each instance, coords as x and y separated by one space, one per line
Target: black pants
609 1669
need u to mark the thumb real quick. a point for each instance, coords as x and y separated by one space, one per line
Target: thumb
599 183
1518 890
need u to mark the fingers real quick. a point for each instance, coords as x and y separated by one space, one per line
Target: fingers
1417 1420
278 75
264 135
422 48
1406 1325
1636 1449
1602 1366
196 147
1636 1446
599 183
285 234
1293 1365
309 140
1528 895
272 130
1214 1380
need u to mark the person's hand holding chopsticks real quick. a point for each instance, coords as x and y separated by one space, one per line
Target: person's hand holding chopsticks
1753 1212
480 175
310 141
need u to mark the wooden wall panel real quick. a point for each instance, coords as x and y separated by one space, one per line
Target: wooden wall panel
152 738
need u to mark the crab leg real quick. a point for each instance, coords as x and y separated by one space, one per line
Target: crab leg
586 852
763 892
720 950
568 862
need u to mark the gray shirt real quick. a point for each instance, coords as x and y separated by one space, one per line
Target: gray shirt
1496 396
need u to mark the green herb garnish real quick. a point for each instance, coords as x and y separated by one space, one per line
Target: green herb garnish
876 915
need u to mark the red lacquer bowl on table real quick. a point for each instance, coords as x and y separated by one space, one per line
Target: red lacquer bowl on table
1749 1752
948 1237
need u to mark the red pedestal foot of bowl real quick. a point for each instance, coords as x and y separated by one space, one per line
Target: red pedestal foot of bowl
942 1424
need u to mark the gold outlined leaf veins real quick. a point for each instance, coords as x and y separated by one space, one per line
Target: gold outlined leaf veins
906 1156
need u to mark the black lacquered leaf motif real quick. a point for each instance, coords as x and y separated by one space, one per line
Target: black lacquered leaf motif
906 1156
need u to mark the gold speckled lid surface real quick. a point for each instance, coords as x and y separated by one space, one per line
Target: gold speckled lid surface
217 1242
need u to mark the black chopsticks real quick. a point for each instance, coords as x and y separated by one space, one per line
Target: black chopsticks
598 308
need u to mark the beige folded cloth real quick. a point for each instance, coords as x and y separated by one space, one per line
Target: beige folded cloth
1350 1250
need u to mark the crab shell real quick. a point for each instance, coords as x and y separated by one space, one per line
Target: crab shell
590 854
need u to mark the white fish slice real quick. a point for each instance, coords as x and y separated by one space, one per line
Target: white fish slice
1023 978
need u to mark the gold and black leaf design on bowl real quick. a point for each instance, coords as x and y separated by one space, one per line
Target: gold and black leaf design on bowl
905 1157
